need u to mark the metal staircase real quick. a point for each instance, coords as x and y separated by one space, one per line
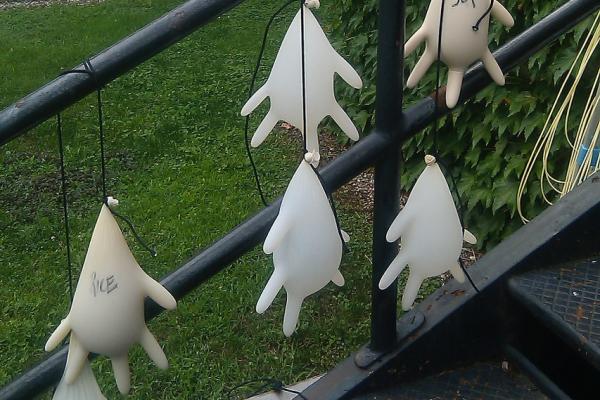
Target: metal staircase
552 349
482 380
566 299
561 301
531 332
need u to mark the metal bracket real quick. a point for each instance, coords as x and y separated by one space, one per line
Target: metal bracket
405 326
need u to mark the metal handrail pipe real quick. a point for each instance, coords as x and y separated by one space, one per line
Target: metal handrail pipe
108 65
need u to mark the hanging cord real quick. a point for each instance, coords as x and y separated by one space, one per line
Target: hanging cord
559 119
63 178
90 71
89 67
333 208
303 73
304 145
269 384
251 91
480 20
435 144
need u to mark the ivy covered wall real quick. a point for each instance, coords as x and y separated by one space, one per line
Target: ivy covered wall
487 142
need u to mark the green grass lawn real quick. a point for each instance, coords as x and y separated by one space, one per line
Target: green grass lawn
176 162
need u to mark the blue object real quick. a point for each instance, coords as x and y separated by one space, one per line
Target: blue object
583 152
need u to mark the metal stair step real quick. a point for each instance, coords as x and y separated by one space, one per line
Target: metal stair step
485 380
566 299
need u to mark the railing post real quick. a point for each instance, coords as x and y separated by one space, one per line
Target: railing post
385 334
390 55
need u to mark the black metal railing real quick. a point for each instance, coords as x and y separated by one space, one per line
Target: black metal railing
380 148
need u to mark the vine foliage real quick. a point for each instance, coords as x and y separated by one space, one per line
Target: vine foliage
487 142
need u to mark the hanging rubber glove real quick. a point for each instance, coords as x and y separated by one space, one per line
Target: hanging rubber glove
464 41
306 246
431 234
107 313
284 86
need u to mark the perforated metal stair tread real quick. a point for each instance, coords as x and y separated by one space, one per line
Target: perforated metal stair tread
481 381
567 299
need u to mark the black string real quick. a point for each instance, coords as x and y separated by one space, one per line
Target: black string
269 384
251 91
489 10
337 219
90 71
460 216
333 208
89 67
435 144
139 239
303 48
304 133
480 20
438 78
63 178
